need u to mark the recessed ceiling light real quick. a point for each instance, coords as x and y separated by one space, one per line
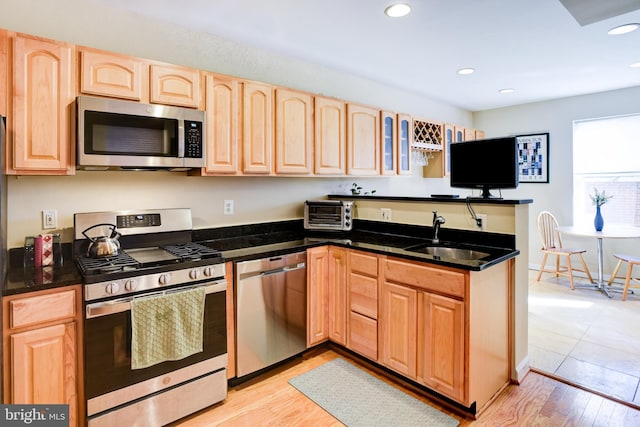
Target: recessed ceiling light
635 65
506 90
465 71
397 10
623 29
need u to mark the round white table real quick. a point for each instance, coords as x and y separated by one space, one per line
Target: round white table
608 232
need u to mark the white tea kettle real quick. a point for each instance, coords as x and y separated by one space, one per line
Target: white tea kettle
103 246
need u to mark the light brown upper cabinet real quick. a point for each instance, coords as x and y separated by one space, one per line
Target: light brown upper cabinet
257 128
113 75
294 132
125 77
4 71
222 106
389 131
330 136
363 140
42 107
175 85
405 137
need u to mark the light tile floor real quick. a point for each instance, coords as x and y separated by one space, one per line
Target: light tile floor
585 337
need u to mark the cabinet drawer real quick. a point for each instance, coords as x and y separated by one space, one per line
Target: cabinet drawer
428 278
363 295
42 308
363 335
363 264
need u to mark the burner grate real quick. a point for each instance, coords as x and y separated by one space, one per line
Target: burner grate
107 264
191 251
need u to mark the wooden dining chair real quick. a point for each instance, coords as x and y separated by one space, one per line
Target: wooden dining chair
631 262
552 245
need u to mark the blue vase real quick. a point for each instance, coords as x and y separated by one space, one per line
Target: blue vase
598 222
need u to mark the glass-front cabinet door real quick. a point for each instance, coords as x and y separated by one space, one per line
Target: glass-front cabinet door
389 142
404 144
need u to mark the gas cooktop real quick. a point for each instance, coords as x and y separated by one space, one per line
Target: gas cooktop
141 258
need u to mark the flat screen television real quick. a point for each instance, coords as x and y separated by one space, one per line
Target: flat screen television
485 164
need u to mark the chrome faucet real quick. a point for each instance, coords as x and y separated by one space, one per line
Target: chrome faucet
438 220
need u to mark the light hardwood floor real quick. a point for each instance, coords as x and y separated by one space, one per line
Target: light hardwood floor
269 400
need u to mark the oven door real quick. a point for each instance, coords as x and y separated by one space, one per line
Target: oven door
109 379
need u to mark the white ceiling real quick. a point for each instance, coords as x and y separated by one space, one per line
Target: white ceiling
533 46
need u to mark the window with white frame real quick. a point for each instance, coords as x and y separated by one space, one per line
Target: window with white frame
606 156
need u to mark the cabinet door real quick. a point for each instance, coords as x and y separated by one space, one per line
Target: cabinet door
4 67
257 128
404 144
317 295
398 324
363 140
110 74
43 365
175 85
294 132
441 344
389 134
338 295
222 124
43 97
469 134
448 133
330 136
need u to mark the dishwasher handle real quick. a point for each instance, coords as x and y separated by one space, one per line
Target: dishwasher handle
286 269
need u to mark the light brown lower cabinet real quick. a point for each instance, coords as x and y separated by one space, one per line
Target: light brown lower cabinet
362 284
317 295
440 344
42 357
422 338
445 328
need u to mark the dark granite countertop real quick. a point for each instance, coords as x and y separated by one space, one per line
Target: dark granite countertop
246 242
453 198
21 278
382 238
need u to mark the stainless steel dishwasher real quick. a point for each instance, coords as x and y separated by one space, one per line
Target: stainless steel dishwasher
271 311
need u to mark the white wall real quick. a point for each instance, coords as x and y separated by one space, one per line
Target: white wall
556 117
85 22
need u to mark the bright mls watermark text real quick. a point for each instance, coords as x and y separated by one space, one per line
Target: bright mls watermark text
34 415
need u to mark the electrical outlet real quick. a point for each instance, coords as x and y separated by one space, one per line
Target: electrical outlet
228 207
49 218
385 214
481 221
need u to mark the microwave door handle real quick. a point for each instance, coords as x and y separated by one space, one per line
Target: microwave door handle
181 139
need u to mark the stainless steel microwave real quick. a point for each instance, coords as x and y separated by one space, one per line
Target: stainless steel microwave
115 134
328 215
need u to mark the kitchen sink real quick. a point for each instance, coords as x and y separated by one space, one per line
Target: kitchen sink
448 252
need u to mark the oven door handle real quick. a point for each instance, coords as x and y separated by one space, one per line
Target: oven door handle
105 308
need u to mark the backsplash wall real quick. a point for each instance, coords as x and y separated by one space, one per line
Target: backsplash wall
256 199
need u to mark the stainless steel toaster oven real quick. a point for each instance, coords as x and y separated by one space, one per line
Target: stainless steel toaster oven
328 215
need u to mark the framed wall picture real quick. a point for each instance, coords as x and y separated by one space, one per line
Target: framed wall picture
533 158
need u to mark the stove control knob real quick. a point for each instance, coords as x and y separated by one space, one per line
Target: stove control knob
130 285
208 271
165 279
112 288
194 274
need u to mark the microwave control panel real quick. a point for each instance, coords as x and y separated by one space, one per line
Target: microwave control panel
192 139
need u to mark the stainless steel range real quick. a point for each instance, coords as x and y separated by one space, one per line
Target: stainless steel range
155 258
